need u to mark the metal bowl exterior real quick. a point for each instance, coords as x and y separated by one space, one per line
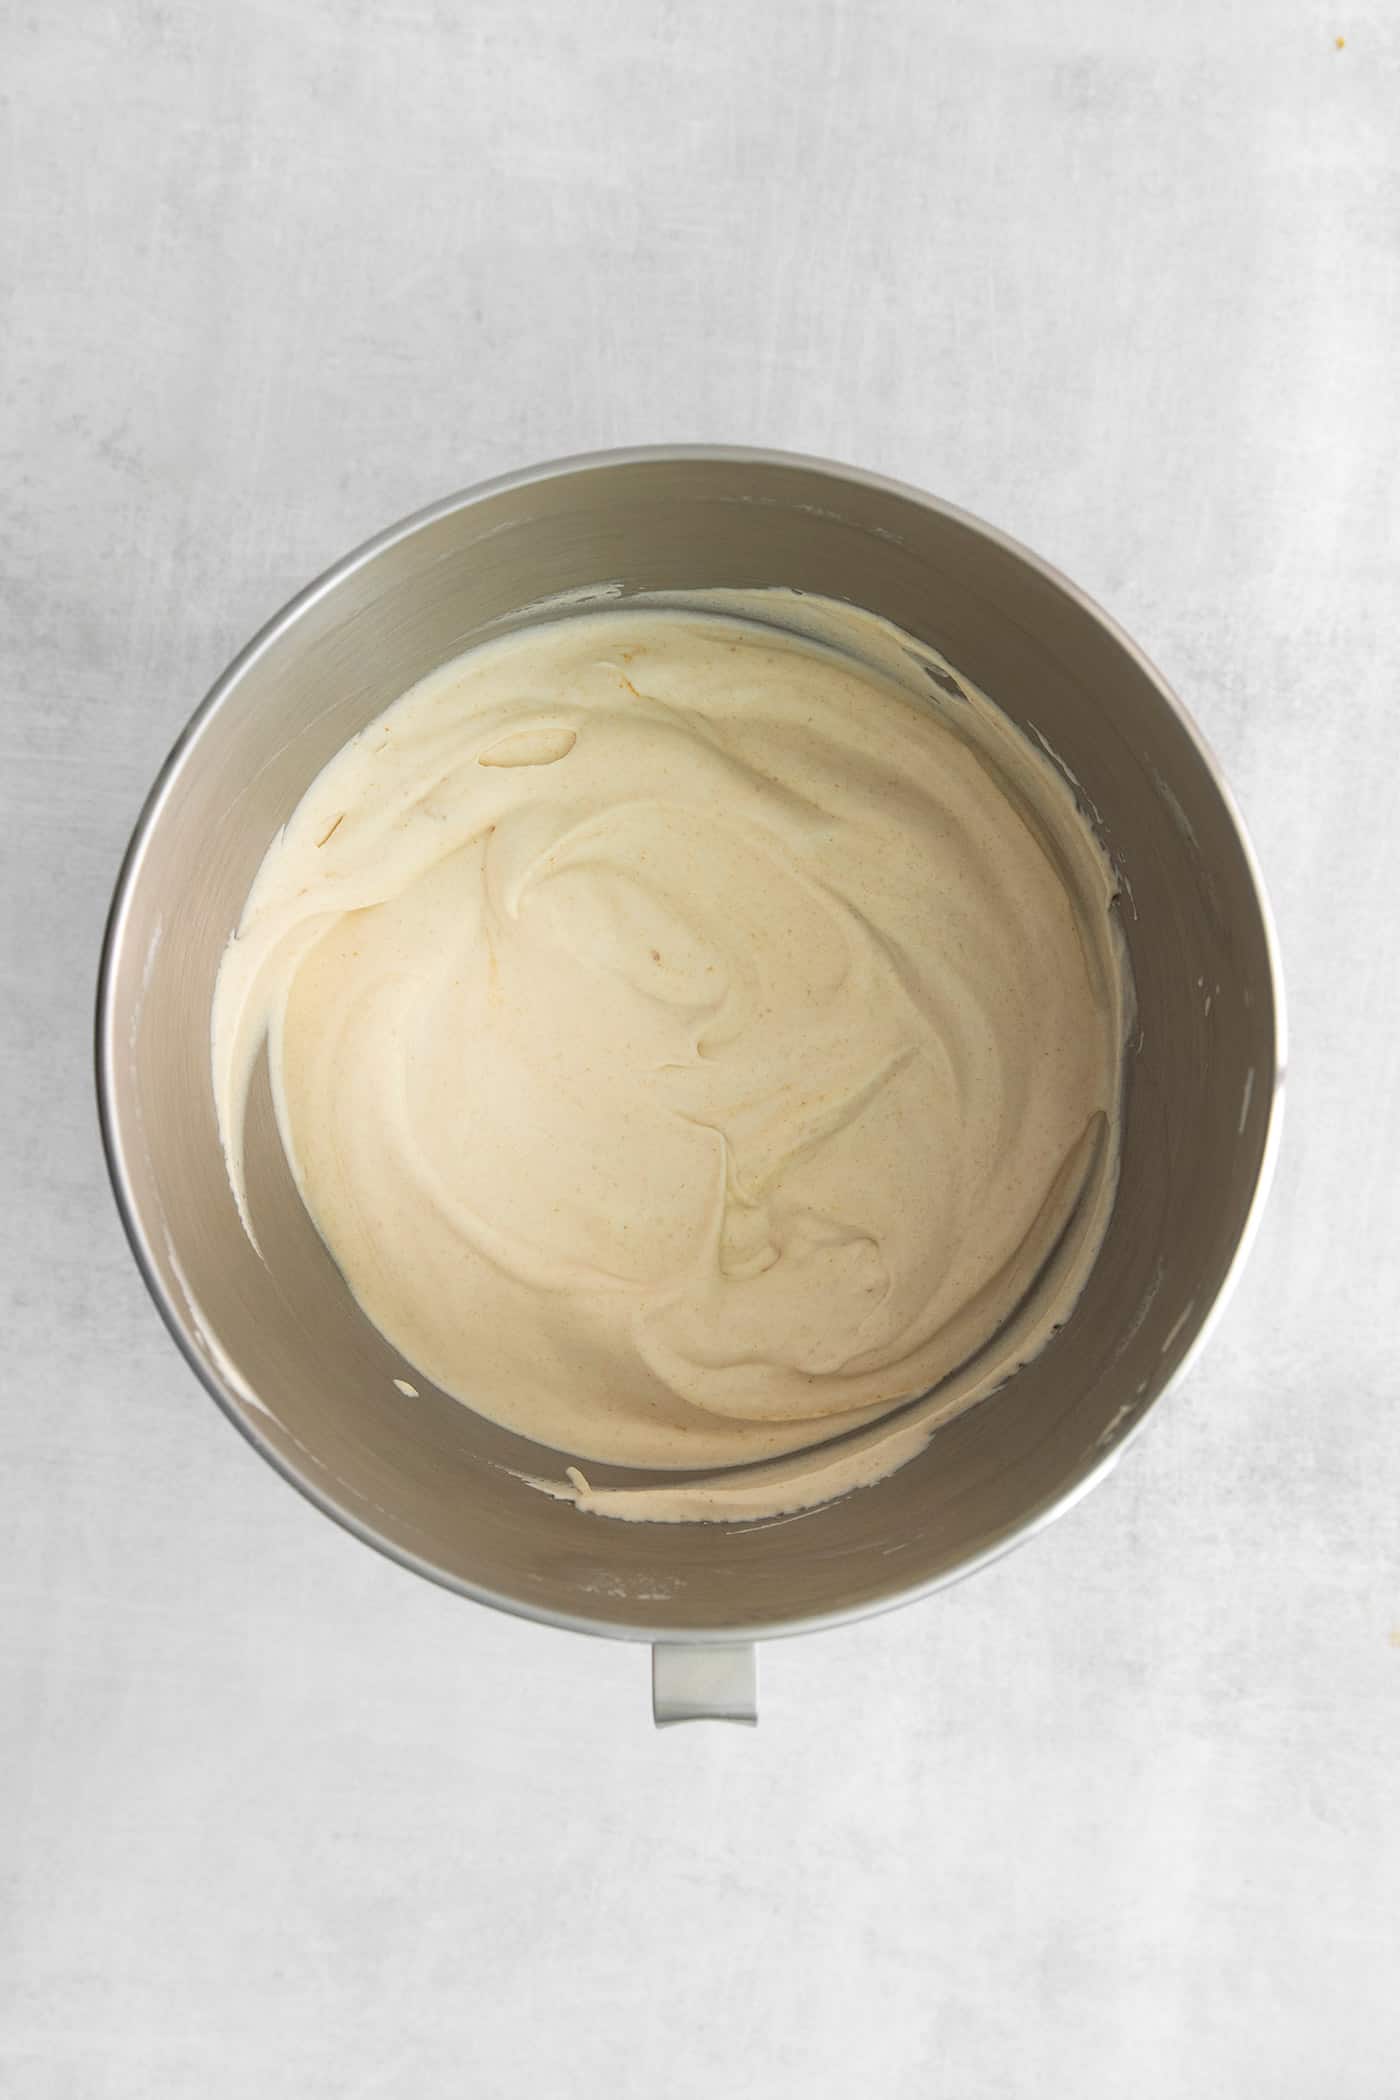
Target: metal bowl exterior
280 1344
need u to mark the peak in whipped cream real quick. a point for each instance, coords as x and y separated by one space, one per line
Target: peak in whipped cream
696 1032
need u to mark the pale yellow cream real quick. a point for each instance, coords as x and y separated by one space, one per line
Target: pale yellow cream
692 1043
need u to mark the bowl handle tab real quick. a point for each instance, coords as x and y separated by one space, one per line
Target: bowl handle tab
704 1682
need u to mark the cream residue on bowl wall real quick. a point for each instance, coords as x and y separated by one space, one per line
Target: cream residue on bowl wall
696 1031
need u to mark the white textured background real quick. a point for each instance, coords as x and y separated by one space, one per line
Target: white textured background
1120 1816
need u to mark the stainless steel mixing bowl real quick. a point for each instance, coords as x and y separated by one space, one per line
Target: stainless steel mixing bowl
280 1343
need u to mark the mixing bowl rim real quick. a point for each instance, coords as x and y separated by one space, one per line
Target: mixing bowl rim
222 1391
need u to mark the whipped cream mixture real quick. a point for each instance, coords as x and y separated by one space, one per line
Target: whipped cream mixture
692 1043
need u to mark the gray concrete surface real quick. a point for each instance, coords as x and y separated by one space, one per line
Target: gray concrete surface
1118 1816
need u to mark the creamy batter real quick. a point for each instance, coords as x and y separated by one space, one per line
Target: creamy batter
692 1043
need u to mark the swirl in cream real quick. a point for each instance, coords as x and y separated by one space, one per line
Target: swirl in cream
689 1042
